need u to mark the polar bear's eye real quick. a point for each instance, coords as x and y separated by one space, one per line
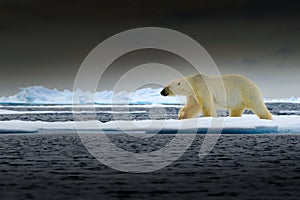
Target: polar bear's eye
178 83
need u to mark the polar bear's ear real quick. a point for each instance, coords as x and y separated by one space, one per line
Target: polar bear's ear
178 83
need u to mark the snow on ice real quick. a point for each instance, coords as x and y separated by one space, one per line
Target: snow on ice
245 124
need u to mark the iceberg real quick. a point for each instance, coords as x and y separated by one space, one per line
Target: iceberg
42 95
247 124
145 96
283 100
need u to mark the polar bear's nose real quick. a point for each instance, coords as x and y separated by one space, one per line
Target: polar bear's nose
164 92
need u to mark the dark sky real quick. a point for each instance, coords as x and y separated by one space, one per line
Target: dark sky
44 42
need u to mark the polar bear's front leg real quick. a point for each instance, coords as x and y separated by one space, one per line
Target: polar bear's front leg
209 110
181 114
188 112
191 109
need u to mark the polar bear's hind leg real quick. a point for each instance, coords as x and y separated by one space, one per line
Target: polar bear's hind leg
261 111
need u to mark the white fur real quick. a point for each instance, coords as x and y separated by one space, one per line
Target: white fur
206 93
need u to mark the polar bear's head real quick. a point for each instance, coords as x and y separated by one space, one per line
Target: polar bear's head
181 87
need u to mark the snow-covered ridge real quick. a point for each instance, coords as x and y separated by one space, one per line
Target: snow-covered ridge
42 95
249 124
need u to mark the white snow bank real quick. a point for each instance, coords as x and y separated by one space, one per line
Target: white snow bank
42 95
246 124
8 112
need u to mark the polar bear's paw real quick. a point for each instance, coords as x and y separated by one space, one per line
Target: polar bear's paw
182 115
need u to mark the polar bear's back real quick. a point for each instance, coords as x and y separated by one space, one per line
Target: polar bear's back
241 89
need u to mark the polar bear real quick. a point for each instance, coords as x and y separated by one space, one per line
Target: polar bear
206 93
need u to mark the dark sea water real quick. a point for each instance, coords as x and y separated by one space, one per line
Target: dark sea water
56 165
